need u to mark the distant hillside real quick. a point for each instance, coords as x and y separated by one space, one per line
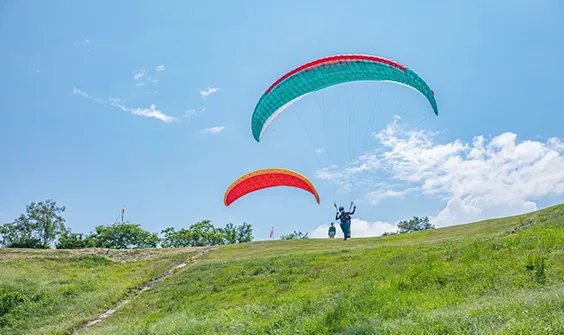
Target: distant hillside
501 276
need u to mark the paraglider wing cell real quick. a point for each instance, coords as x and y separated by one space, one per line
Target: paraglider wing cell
267 178
330 71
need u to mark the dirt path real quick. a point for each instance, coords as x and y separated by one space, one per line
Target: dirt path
148 285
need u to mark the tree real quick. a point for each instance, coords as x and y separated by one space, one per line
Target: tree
39 227
244 233
296 235
204 233
200 234
415 224
389 233
175 239
230 233
124 235
69 240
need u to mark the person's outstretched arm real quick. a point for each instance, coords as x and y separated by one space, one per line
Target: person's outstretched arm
337 216
354 209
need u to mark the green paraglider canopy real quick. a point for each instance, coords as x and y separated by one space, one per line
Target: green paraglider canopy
329 71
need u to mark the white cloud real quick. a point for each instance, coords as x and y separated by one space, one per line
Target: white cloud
359 228
83 42
76 91
375 197
140 84
160 67
319 150
151 112
138 75
189 114
208 91
213 130
153 80
477 180
83 94
556 143
343 176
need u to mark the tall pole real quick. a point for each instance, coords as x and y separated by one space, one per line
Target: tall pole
122 211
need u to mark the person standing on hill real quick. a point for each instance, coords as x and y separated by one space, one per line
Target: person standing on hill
345 218
332 230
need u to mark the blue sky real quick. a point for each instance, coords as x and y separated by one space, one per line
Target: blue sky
496 68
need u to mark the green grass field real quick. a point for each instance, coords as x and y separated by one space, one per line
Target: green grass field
502 276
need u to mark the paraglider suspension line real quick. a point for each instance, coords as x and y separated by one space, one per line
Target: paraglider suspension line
316 156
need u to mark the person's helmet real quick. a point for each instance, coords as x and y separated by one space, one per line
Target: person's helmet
341 208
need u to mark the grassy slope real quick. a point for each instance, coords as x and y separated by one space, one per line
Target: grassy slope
52 291
503 276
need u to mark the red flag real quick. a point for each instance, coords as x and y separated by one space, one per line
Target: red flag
271 232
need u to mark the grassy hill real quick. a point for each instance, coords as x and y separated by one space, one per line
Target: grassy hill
501 276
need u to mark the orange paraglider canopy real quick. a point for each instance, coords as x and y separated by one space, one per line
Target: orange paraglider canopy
265 178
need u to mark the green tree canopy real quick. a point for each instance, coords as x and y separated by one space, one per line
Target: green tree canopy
69 240
124 235
296 235
204 233
38 227
414 224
